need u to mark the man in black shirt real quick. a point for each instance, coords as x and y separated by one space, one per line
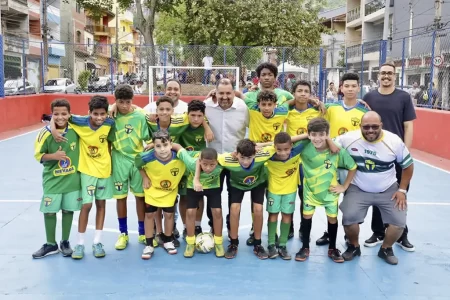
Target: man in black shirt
397 113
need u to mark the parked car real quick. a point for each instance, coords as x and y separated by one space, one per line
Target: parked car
60 85
103 84
15 87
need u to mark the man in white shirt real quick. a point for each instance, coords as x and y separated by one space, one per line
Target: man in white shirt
207 63
173 90
228 118
375 152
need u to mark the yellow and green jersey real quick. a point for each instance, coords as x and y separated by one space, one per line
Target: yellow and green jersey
128 134
251 98
297 120
58 177
164 176
208 181
95 159
320 172
284 176
262 129
247 178
342 119
178 124
193 139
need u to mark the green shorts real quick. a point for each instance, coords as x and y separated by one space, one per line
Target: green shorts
331 208
53 203
182 187
124 175
281 203
93 188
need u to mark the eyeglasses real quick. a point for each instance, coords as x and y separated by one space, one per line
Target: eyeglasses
368 127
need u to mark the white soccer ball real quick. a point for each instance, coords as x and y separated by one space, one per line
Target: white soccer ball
204 242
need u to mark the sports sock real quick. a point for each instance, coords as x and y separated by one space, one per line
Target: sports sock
190 240
50 228
306 232
80 238
67 218
218 240
285 228
257 242
198 223
149 242
332 235
97 236
272 232
123 226
141 227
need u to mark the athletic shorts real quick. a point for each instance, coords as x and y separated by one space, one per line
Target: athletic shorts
182 186
125 175
93 188
213 196
53 203
151 209
257 194
331 208
281 203
356 203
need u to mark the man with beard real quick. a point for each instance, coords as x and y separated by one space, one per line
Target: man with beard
375 184
173 90
397 112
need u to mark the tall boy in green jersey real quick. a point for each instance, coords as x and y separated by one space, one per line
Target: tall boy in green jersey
205 165
60 179
127 137
320 185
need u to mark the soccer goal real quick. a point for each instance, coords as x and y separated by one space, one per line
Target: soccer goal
195 81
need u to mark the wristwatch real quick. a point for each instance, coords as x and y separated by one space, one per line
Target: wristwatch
403 191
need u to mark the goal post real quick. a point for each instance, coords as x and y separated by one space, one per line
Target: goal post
184 74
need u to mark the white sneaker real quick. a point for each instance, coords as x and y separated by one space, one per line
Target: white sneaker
148 252
170 248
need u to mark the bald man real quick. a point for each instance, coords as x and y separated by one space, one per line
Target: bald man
375 184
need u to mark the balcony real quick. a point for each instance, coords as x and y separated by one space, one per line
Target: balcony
126 38
127 56
126 16
16 44
18 6
369 47
102 50
83 48
101 30
353 16
374 11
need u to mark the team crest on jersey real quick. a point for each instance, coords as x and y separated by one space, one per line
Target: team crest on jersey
289 172
128 128
271 201
73 146
118 185
47 201
189 148
370 165
90 190
198 138
327 164
174 171
65 168
301 130
165 184
266 137
342 130
276 126
93 152
249 180
102 138
355 121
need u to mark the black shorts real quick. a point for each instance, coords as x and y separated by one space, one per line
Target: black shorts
214 197
257 194
151 209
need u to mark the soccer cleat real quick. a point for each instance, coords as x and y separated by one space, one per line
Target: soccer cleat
272 251
251 240
198 230
387 254
46 250
189 251
175 232
373 240
335 255
284 254
147 253
260 252
405 244
323 240
176 243
351 252
65 248
220 251
155 243
170 248
231 251
302 254
122 241
98 251
142 239
78 252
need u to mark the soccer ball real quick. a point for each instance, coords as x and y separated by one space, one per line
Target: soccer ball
204 242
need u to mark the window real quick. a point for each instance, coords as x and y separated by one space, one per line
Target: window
78 37
88 41
78 8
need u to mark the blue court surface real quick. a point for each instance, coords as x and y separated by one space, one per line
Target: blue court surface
424 274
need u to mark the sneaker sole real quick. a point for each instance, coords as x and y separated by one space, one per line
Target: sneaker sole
388 262
337 261
120 248
301 259
49 253
146 257
273 256
66 254
370 245
406 248
99 256
286 257
77 257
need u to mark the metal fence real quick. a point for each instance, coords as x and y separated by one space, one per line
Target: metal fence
28 67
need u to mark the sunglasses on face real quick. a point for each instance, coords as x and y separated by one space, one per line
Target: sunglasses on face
368 127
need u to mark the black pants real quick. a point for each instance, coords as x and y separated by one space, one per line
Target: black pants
223 175
377 225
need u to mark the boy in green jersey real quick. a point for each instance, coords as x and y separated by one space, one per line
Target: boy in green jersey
320 185
207 184
127 137
60 180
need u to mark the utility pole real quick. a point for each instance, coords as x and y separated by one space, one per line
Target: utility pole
117 40
411 17
45 37
437 49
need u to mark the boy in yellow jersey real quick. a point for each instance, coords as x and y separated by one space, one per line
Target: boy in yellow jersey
95 169
161 171
60 179
127 137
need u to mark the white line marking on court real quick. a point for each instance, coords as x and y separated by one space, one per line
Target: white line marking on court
19 135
